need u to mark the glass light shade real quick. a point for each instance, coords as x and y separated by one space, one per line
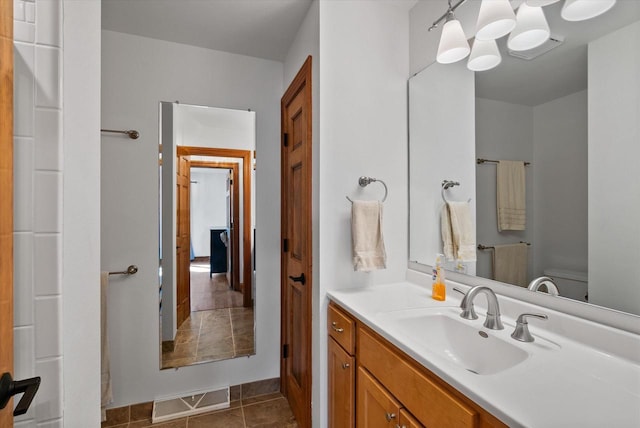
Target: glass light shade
495 19
540 3
484 55
531 30
579 10
453 44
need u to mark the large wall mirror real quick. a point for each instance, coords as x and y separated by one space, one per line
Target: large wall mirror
571 114
206 161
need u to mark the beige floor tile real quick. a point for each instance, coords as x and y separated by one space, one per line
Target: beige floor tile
273 413
225 419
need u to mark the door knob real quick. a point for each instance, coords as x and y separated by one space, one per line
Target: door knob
301 279
9 388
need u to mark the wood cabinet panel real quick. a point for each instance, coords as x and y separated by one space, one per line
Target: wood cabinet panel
342 328
341 387
408 421
428 401
376 407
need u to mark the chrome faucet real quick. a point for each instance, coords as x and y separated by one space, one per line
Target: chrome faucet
492 321
552 288
521 332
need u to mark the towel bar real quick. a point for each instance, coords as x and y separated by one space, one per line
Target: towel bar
132 269
491 247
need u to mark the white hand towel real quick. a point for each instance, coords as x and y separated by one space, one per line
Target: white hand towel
448 245
510 263
462 231
510 181
366 232
106 392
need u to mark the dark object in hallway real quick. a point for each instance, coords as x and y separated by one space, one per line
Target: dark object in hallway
218 252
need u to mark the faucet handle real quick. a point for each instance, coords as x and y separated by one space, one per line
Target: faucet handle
521 332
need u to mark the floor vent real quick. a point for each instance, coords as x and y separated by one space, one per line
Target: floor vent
194 404
552 43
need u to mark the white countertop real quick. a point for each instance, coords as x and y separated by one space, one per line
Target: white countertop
567 381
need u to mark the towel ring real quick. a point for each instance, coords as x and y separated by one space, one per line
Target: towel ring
446 184
365 181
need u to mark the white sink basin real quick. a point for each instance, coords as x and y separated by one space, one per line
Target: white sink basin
466 343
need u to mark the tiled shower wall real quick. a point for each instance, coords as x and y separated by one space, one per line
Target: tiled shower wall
38 206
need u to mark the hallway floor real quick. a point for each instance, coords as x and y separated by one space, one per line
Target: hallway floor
211 292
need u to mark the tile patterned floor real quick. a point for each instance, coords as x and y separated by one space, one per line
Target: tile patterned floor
212 335
263 411
211 292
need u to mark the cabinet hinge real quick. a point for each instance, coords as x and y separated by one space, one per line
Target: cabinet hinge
285 245
286 139
285 351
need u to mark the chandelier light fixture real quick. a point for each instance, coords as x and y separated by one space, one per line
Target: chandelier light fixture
484 55
453 43
495 19
580 10
527 29
531 29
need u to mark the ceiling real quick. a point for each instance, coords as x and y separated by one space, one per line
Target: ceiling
257 28
266 28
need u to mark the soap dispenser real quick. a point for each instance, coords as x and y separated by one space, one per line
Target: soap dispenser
439 289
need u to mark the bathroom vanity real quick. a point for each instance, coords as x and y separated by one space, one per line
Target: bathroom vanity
397 358
392 389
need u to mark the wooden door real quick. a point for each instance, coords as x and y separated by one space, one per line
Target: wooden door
376 407
342 385
296 262
183 240
6 199
408 421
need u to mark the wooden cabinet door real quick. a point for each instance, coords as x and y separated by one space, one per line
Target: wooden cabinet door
408 421
376 407
341 387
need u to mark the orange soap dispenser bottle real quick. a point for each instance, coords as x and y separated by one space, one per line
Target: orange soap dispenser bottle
439 289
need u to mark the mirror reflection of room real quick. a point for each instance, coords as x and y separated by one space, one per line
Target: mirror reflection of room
557 114
207 311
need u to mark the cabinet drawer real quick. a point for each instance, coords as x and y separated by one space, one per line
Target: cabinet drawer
342 328
427 400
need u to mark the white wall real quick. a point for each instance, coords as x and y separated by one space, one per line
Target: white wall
364 67
560 184
137 73
81 218
208 206
503 131
614 194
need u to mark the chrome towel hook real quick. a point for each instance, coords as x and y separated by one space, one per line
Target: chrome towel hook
446 184
365 181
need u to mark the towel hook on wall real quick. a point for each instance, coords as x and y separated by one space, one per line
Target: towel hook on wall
446 184
365 181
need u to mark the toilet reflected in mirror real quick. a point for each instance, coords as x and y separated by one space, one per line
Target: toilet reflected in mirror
206 234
